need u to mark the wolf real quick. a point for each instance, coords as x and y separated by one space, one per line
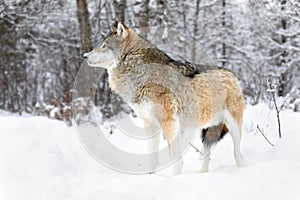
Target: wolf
171 94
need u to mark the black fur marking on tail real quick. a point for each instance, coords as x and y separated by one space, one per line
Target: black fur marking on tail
223 132
203 134
213 135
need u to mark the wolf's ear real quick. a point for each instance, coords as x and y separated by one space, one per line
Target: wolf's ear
122 30
114 27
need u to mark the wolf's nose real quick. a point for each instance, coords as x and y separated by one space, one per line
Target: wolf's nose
85 55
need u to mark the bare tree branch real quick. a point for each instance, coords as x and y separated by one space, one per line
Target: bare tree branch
272 89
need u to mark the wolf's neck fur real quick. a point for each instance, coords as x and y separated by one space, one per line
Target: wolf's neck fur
145 51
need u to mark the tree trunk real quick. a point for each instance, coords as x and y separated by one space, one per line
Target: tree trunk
144 19
224 33
195 32
282 62
84 25
120 7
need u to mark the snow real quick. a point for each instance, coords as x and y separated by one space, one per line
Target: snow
41 158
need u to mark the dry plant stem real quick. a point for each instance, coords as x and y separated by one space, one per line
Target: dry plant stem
261 131
277 113
197 150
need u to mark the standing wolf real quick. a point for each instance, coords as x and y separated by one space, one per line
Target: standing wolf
171 94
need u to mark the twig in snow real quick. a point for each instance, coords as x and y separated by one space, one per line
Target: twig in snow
262 132
197 150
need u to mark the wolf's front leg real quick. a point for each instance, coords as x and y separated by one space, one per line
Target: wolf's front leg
153 147
153 131
172 133
174 150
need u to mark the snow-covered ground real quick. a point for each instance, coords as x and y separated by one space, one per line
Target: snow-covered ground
42 158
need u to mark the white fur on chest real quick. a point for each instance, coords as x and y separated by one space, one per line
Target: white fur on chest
144 110
111 67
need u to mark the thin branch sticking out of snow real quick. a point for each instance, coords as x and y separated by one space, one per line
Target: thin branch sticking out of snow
272 88
262 133
197 150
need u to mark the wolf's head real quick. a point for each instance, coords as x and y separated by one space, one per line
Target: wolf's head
109 52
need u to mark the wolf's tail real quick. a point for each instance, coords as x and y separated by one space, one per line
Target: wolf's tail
214 134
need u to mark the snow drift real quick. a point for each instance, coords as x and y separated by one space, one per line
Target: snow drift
42 158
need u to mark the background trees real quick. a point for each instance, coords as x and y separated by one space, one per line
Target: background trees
42 43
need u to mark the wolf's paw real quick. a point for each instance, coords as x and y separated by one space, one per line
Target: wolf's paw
203 170
241 163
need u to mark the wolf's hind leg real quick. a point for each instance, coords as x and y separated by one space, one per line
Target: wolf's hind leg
206 158
236 137
236 134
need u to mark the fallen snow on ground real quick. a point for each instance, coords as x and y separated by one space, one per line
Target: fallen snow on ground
42 158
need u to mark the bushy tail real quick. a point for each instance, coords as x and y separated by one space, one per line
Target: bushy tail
214 134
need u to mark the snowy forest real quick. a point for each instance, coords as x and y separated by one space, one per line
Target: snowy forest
47 153
42 42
